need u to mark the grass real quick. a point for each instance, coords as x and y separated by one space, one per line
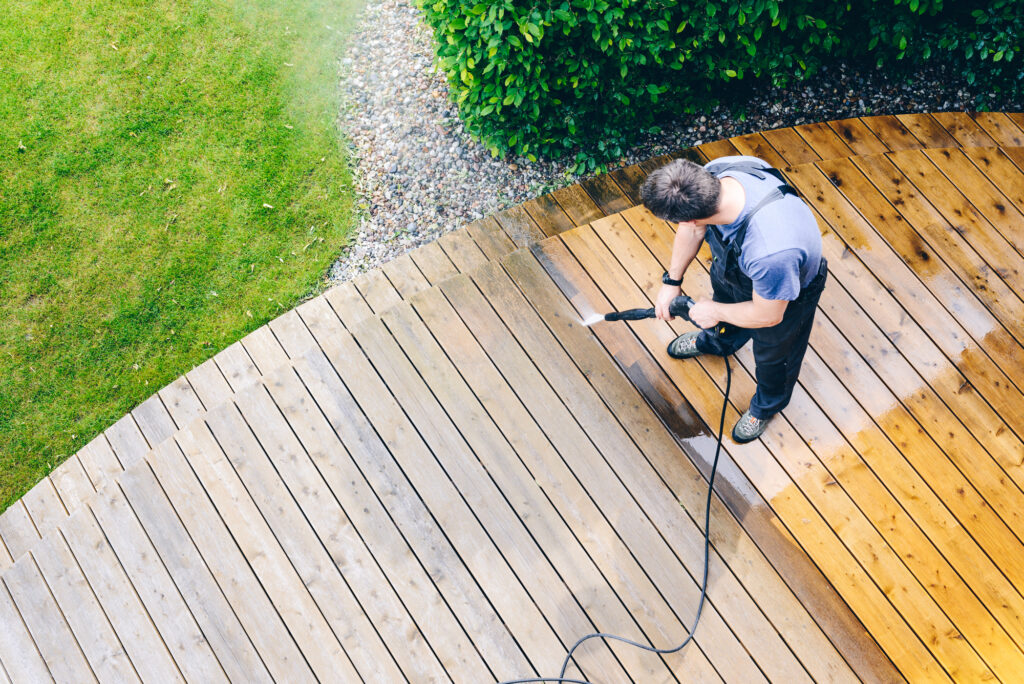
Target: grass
172 177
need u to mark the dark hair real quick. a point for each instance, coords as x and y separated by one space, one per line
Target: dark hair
681 191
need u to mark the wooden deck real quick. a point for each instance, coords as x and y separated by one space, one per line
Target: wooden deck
435 473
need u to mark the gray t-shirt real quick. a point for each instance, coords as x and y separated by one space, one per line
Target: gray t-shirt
781 252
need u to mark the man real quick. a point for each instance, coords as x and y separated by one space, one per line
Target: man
767 271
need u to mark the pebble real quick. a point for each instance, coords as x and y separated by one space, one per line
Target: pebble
419 175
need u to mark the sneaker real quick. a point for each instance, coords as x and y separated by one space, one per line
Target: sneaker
684 346
748 428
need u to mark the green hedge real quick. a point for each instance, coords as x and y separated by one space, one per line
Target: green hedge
560 76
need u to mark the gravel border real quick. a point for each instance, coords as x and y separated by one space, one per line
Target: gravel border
418 175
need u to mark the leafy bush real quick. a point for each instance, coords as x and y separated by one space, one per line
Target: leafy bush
548 77
557 76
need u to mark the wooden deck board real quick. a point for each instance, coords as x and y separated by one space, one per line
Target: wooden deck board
784 442
483 641
926 561
627 458
501 460
405 275
85 617
908 652
45 620
181 401
571 429
139 599
72 483
433 263
18 651
209 385
620 392
428 476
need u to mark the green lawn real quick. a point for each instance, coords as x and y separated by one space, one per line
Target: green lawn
171 177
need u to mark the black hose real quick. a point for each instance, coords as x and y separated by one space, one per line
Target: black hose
707 551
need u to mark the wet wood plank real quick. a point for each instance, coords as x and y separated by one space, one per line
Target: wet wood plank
908 652
773 552
891 132
1000 128
755 145
820 488
711 150
605 194
1000 171
790 146
858 137
518 225
825 142
578 204
964 130
547 213
927 130
1003 217
629 179
967 245
621 454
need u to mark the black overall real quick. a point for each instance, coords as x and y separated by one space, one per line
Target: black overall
778 350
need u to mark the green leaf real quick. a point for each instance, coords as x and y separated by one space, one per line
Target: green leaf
730 73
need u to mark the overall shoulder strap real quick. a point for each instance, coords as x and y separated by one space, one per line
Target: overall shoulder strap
773 196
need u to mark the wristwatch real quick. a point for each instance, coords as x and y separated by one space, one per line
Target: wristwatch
669 281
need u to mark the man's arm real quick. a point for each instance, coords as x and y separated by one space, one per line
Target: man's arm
757 313
685 246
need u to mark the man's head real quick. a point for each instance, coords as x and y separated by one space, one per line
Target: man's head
681 191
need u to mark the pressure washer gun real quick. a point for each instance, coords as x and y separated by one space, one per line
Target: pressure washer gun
679 306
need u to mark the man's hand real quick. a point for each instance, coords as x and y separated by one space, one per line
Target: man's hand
665 296
704 314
